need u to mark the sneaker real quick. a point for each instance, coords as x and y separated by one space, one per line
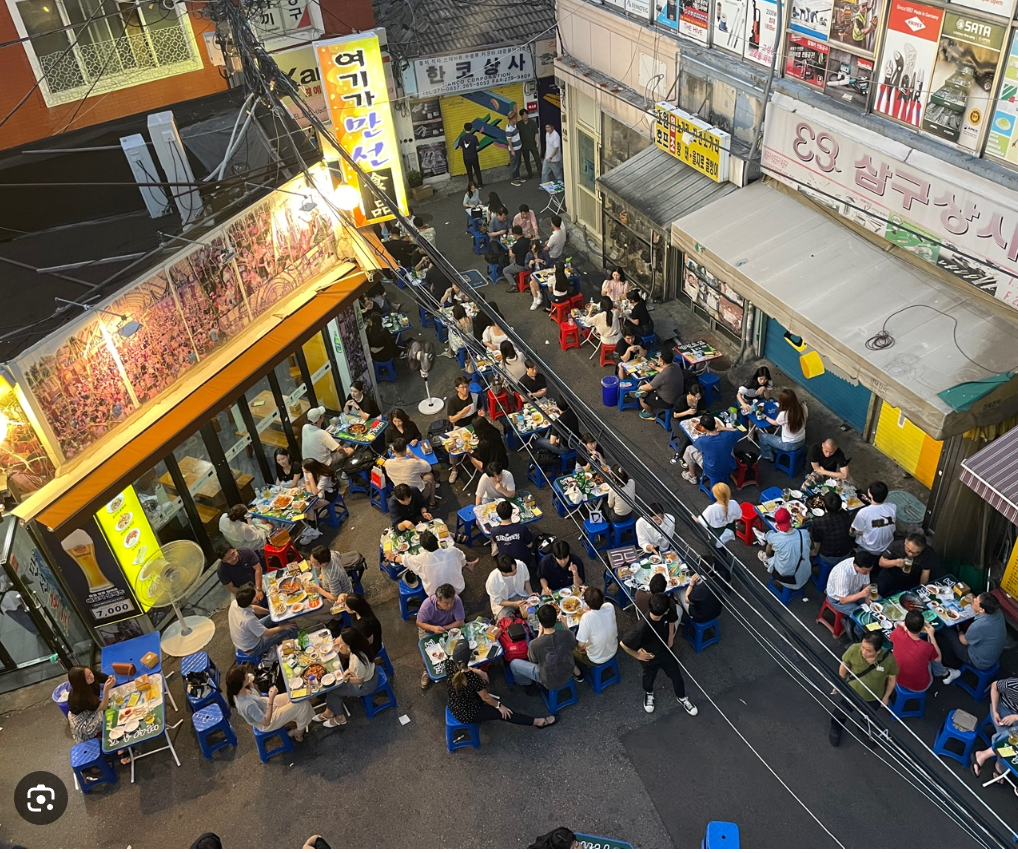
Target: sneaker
447 354
952 674
535 305
835 735
647 416
674 460
688 477
689 707
579 679
517 183
425 680
761 556
648 703
452 476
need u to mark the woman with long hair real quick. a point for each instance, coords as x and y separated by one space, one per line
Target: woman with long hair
639 322
469 699
85 704
792 419
720 517
606 322
265 713
364 620
287 474
472 197
360 677
615 286
562 289
511 362
402 426
756 387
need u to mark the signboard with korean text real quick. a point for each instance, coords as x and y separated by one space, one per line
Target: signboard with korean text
855 24
353 79
1009 583
729 25
945 216
849 78
130 537
692 140
301 66
694 19
811 18
1002 142
910 50
806 60
467 72
276 18
761 31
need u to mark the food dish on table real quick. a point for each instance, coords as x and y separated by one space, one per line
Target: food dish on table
357 429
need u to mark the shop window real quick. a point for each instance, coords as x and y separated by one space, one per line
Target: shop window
586 170
618 143
322 378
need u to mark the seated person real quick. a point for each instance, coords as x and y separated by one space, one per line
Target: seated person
848 586
490 447
604 320
713 452
689 405
239 566
441 612
830 532
1003 701
628 351
265 713
562 289
826 462
381 342
786 553
596 460
240 532
538 259
496 484
654 535
563 429
401 426
699 601
759 386
251 628
667 386
597 638
518 253
508 586
407 508
533 382
621 497
639 322
906 564
874 525
549 656
512 364
360 678
287 473
461 406
331 573
560 568
404 467
511 537
359 403
979 643
461 328
913 653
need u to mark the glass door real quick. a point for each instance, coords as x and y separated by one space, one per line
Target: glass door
323 378
586 175
203 484
296 400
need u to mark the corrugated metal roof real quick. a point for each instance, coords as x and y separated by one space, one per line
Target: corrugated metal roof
661 187
992 473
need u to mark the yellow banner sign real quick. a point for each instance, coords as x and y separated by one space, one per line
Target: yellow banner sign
132 540
1009 583
693 141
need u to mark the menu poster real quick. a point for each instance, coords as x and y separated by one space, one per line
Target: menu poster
913 34
855 24
849 77
131 538
1003 139
962 80
92 574
729 25
761 31
807 60
811 18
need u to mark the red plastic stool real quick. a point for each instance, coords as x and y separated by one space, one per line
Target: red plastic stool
280 556
576 301
608 350
749 521
521 281
742 471
560 312
568 335
836 628
498 405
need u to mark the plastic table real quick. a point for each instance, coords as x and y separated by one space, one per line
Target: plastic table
131 651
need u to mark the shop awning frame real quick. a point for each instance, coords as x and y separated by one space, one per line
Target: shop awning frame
992 473
836 289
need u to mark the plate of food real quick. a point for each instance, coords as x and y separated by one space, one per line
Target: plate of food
124 521
290 585
298 607
655 559
403 546
316 670
421 527
131 726
113 507
328 679
281 502
116 734
817 511
537 418
296 597
533 601
357 429
795 493
132 538
296 683
571 604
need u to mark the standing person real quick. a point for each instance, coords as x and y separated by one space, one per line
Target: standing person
514 145
529 146
913 653
441 612
552 168
873 526
871 673
549 660
791 418
557 240
786 553
471 154
650 642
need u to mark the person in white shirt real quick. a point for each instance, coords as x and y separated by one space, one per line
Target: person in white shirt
404 467
720 517
792 419
315 442
557 241
873 526
250 634
598 634
508 586
495 484
848 585
621 497
241 533
647 535
512 364
493 336
435 565
552 168
605 322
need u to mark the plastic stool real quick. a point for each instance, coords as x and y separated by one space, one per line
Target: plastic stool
262 739
596 673
649 342
567 461
606 351
835 627
498 404
771 494
794 460
711 384
385 371
280 557
494 272
407 595
750 521
200 662
621 528
441 330
425 317
360 483
592 532
213 697
556 700
466 521
206 722
481 243
454 727
569 336
721 836
244 657
386 663
743 471
696 633
901 698
949 733
521 281
371 707
785 593
391 569
820 580
664 419
983 678
461 358
560 312
88 755
626 387
706 484
536 475
378 497
333 517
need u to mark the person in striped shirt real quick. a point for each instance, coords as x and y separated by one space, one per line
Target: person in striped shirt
848 585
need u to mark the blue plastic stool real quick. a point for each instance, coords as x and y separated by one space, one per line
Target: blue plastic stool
200 662
626 398
454 727
360 483
664 419
494 273
536 475
711 384
385 371
721 836
820 579
556 700
771 494
598 680
620 599
949 733
442 331
594 531
983 678
407 596
391 569
706 484
466 522
901 699
786 594
371 707
621 528
793 460
987 731
334 517
461 358
244 657
481 243
558 502
386 663
208 721
649 342
379 498
88 755
355 579
567 461
262 739
696 633
427 319
213 698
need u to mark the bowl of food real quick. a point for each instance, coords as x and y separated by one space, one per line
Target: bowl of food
655 559
328 679
357 429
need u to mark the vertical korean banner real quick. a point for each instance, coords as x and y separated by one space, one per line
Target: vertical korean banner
353 79
910 50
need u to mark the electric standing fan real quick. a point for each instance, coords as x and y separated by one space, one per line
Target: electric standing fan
165 580
421 356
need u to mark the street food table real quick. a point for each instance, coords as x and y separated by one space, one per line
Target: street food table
556 197
698 355
397 322
355 430
691 426
310 664
568 603
641 369
480 634
573 491
631 569
938 601
525 511
281 505
289 592
409 541
528 422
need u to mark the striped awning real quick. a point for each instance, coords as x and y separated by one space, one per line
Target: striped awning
992 473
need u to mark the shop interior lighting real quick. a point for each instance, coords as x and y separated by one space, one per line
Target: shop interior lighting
347 197
127 327
309 203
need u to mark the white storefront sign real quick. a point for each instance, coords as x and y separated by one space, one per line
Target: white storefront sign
467 72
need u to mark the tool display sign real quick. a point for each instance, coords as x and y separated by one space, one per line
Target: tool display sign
910 52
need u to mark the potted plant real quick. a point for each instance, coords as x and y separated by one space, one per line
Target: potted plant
417 188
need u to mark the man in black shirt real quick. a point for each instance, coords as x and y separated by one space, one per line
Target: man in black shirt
825 461
906 564
471 154
650 642
407 507
830 531
239 566
528 131
511 537
519 251
560 568
699 602
534 382
563 429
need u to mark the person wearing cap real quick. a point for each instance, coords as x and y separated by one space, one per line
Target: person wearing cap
469 699
315 442
787 552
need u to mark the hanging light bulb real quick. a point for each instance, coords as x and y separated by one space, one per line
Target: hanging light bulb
347 197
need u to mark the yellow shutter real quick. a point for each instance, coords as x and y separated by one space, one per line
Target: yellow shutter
490 108
906 444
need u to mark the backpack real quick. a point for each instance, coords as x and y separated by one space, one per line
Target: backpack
514 648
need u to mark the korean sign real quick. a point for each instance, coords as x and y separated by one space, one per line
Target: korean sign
692 140
281 17
481 69
637 8
950 218
301 66
689 17
761 31
353 78
806 60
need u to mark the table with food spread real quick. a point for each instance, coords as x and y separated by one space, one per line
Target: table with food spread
355 430
525 511
637 571
568 603
458 440
531 420
310 664
289 592
943 604
409 541
281 505
480 634
727 417
137 714
641 368
396 323
698 354
804 506
575 490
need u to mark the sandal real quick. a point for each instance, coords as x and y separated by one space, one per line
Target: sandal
546 724
320 718
976 768
461 538
335 724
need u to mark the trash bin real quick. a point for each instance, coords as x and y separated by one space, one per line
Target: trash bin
60 696
610 391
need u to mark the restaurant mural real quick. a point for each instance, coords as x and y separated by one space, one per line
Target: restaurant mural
22 456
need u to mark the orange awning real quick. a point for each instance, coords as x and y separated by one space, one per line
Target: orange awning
57 507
